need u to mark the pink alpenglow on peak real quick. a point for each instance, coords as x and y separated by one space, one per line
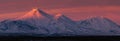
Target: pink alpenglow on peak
35 13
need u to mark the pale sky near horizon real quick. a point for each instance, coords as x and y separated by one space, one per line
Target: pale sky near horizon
75 9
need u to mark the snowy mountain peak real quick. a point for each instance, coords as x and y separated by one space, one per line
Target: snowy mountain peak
57 16
35 13
61 16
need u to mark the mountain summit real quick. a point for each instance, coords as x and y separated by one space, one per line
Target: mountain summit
35 13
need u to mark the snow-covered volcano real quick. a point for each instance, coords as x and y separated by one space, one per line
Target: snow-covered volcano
38 22
35 17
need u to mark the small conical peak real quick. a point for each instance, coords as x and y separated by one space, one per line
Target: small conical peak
35 9
57 16
61 17
34 12
38 10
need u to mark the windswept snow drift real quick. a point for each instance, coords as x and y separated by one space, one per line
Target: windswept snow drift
38 22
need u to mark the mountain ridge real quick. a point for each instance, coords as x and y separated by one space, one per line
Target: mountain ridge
38 22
